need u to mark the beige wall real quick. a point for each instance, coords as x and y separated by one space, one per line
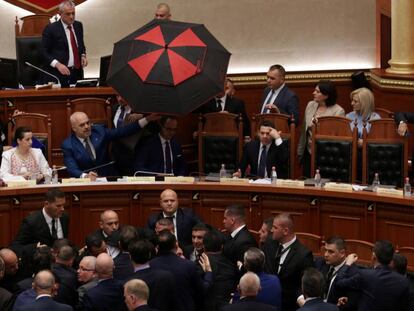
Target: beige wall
300 34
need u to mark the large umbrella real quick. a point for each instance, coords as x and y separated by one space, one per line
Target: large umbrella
168 67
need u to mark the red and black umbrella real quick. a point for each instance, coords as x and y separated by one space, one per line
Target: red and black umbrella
168 67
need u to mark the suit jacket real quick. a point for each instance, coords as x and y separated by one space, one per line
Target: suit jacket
232 105
123 267
249 304
185 222
407 117
188 284
34 229
381 288
45 303
297 260
55 44
161 285
150 156
107 295
234 248
287 102
5 296
318 304
76 158
276 156
67 293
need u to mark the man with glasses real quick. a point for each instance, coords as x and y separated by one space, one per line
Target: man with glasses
161 153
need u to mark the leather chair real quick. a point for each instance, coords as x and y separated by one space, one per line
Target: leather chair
98 110
29 47
384 152
41 126
285 124
363 249
220 141
334 149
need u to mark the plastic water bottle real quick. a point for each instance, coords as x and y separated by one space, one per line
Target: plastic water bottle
55 177
274 175
407 188
375 182
223 172
318 179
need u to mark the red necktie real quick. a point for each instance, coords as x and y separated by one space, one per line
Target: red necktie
76 60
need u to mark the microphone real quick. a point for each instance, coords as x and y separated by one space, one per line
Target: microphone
152 173
45 72
99 166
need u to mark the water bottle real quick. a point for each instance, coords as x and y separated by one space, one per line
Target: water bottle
274 176
407 188
223 172
318 179
375 182
55 177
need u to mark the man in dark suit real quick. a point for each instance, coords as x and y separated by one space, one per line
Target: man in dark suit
402 119
287 258
63 49
264 153
11 277
108 294
239 238
123 264
183 219
161 153
194 251
277 96
249 287
162 295
226 102
313 285
187 282
380 288
5 295
43 227
87 147
136 294
44 285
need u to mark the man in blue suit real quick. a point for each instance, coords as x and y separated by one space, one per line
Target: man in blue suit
87 147
63 49
277 96
313 285
161 153
381 288
44 285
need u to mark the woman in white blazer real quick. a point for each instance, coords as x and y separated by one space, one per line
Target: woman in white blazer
23 160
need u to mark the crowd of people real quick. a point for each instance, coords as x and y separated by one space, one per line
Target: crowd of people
177 262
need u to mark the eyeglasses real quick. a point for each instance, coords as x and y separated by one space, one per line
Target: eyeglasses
84 269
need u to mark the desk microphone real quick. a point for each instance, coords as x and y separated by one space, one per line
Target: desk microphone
152 173
99 166
58 85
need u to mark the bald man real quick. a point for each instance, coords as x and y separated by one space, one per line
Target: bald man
136 294
45 287
183 219
163 12
87 147
11 266
108 294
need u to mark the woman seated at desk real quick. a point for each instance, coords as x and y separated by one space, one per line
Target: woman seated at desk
364 106
23 160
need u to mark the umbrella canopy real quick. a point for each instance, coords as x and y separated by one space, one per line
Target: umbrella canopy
168 67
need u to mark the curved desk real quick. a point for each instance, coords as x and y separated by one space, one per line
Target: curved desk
353 215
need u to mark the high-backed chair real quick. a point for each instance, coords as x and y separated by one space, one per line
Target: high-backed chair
41 127
97 109
29 47
384 152
384 113
220 141
311 241
362 248
285 124
334 149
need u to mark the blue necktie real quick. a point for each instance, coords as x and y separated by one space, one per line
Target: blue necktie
262 163
168 167
264 109
121 117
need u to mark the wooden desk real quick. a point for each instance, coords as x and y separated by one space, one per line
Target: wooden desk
353 215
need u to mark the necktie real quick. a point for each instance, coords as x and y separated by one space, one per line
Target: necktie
329 277
279 254
88 148
54 231
168 166
218 103
269 100
120 120
262 163
76 60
